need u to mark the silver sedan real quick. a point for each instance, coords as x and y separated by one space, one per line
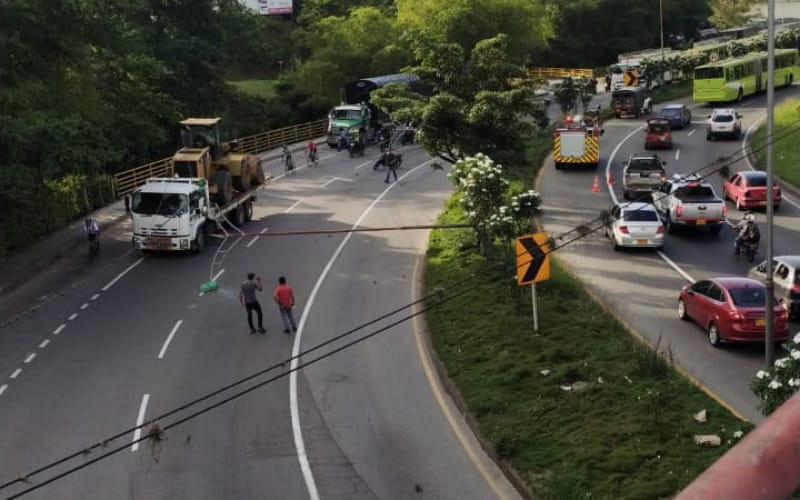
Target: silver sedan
635 224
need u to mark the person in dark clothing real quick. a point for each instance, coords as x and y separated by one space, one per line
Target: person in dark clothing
248 300
391 166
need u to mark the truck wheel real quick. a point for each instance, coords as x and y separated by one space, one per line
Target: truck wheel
558 165
248 211
222 178
242 181
200 239
238 216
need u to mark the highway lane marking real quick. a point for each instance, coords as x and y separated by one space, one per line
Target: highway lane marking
335 179
72 316
297 430
677 154
294 205
84 306
218 275
44 343
675 266
59 329
363 164
30 358
255 238
169 339
3 388
120 275
691 132
746 138
439 392
137 434
95 296
15 373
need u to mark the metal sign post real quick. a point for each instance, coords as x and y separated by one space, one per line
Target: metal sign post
769 334
535 312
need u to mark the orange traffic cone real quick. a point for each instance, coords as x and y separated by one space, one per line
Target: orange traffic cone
596 185
610 178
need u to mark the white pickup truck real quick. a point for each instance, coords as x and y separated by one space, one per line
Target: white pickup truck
687 201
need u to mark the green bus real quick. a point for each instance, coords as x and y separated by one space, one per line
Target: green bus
734 78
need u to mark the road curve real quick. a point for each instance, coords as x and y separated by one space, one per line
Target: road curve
642 287
371 425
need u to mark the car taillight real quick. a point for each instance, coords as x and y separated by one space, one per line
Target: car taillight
679 211
724 210
660 230
623 229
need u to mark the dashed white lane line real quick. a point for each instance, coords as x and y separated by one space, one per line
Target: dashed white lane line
44 343
120 275
364 164
3 388
139 421
30 358
15 373
294 205
95 296
59 329
745 140
72 316
255 238
675 266
294 410
335 179
84 306
218 275
169 339
677 154
691 132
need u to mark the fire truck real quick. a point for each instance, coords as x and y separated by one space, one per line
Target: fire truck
576 140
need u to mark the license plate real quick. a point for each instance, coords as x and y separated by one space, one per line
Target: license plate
701 222
158 241
760 322
641 242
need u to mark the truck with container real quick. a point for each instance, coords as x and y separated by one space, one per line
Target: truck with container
355 115
211 183
689 202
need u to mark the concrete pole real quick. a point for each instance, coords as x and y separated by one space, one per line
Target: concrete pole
769 342
661 20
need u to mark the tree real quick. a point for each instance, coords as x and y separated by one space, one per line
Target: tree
730 13
566 93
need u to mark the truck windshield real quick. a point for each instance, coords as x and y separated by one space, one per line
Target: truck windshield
159 203
347 114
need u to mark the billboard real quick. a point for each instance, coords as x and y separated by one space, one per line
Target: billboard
274 7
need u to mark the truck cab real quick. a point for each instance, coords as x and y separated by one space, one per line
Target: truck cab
351 118
631 101
166 213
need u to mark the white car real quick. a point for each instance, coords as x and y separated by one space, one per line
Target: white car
635 224
724 122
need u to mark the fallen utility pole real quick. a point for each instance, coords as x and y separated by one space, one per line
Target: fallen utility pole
353 230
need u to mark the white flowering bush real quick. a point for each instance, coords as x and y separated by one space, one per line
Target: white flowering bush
516 218
773 387
481 187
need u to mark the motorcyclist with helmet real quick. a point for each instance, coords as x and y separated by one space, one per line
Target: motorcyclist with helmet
747 232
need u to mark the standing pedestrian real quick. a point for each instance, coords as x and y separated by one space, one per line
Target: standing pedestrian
284 297
248 300
391 166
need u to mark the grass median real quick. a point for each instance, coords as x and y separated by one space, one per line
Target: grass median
786 145
582 410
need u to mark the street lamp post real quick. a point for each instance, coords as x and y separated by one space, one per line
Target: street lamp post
769 334
661 21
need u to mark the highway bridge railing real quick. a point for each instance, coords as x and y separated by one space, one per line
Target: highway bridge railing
128 180
555 73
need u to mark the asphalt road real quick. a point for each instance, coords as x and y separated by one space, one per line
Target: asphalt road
109 350
642 287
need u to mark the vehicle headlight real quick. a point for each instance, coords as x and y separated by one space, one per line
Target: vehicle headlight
352 130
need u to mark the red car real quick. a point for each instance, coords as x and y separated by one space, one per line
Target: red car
749 189
731 309
657 134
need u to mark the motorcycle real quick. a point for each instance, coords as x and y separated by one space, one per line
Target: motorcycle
749 247
356 148
408 136
389 159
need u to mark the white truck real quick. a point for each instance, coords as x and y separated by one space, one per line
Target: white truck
179 214
687 201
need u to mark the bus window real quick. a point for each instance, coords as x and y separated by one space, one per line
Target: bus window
707 73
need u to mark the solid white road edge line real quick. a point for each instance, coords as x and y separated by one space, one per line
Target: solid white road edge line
139 421
691 132
169 339
72 316
44 343
297 430
746 138
120 275
218 275
30 358
294 205
59 329
614 199
15 373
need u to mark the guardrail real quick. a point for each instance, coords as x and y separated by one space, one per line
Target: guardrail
561 72
128 180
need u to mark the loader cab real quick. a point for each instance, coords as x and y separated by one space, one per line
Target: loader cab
200 146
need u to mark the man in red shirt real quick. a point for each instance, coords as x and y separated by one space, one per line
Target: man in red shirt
313 154
284 297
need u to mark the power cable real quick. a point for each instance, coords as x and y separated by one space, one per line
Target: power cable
583 231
